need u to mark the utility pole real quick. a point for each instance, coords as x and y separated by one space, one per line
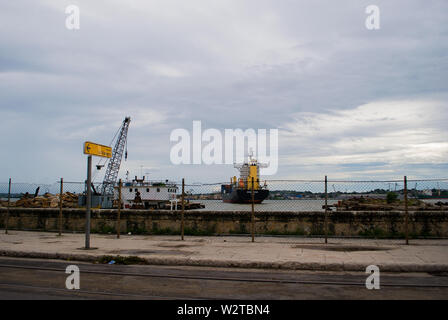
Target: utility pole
88 200
406 209
182 223
60 206
326 210
119 209
7 209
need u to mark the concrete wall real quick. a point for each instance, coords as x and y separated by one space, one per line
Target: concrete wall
371 224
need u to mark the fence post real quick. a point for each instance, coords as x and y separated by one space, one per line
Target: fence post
60 206
253 212
119 209
326 210
88 200
7 209
406 226
183 208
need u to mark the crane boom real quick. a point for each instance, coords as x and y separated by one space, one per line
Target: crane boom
115 161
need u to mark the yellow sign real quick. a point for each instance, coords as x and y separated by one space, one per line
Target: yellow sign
97 149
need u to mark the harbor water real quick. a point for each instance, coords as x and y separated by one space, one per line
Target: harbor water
278 205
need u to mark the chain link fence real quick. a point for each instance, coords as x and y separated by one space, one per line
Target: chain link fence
339 195
282 195
325 199
40 195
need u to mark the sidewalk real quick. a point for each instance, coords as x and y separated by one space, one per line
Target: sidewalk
237 251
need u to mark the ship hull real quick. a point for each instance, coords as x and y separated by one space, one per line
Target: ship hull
245 196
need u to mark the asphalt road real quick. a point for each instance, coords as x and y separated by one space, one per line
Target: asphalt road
45 279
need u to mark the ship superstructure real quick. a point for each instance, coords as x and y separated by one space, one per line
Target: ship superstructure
240 190
146 194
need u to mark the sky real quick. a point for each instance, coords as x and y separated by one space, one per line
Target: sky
349 102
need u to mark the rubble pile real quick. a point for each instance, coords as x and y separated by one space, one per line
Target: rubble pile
372 204
48 200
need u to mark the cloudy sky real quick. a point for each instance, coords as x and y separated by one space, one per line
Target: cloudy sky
348 102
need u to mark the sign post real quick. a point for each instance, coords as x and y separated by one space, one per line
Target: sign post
99 150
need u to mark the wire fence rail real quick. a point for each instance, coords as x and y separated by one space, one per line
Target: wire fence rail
282 195
326 196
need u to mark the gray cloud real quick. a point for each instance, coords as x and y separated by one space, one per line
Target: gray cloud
246 64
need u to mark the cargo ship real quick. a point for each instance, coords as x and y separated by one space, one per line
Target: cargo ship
241 191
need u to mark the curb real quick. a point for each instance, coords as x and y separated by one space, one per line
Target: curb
246 264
